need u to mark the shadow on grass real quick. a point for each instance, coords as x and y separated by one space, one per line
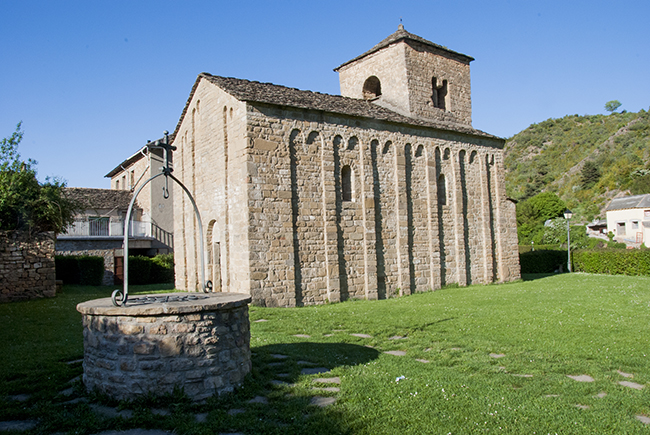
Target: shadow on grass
536 276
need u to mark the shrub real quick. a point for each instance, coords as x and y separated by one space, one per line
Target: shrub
613 262
162 269
546 261
139 270
79 269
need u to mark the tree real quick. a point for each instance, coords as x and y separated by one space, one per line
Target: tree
612 106
26 204
590 174
533 212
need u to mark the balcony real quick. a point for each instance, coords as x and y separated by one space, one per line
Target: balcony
104 227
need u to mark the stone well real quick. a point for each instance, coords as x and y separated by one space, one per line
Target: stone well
196 341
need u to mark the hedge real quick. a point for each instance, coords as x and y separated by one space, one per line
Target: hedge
612 262
156 270
544 261
79 269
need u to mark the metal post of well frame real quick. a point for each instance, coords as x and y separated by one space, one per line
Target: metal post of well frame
120 298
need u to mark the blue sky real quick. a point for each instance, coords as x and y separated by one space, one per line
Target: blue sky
93 80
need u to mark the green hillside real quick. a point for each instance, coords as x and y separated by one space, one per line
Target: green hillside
585 160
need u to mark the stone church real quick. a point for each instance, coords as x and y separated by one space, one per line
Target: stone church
308 198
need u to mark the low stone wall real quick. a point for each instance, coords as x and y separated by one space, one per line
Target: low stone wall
197 342
26 266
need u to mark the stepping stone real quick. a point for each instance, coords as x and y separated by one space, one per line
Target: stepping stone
259 399
334 380
397 337
20 397
75 401
201 418
314 371
260 320
627 375
338 330
18 425
75 361
643 419
75 379
302 335
631 385
396 352
305 363
279 383
368 346
67 392
523 376
275 364
278 356
428 349
581 378
422 360
601 395
552 395
283 375
330 389
161 412
236 411
328 335
361 335
231 433
109 412
583 406
497 355
456 348
322 401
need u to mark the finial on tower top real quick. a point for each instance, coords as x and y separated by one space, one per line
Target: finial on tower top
401 26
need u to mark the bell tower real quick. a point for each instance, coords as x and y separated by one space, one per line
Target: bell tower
412 76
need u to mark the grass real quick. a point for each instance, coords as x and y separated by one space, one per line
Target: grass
546 328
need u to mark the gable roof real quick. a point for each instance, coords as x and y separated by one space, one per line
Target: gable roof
626 202
128 162
403 35
100 198
268 93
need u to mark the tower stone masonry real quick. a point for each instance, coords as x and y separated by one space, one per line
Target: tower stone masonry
308 198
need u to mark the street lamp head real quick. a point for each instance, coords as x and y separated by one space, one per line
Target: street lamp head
568 214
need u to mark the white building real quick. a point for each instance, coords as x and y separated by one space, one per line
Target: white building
629 219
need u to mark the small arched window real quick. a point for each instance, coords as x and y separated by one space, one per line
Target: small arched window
371 88
442 190
346 183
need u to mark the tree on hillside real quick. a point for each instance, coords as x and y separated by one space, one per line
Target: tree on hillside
590 174
640 181
26 204
612 106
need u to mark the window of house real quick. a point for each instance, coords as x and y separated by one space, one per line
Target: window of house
635 225
132 179
371 88
646 213
439 94
117 184
620 228
346 183
124 182
98 226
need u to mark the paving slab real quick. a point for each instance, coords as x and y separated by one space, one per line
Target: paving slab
333 380
19 425
302 335
109 412
236 411
322 401
643 419
497 355
314 371
328 335
305 363
201 418
259 399
581 378
601 395
552 395
283 375
361 335
275 364
161 412
396 352
260 320
20 397
631 385
523 376
422 360
583 406
627 375
278 356
397 337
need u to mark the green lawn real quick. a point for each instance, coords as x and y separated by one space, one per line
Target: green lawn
545 328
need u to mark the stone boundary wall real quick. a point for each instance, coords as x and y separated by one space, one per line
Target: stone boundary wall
202 346
26 266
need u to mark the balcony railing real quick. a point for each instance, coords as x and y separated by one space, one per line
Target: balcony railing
103 227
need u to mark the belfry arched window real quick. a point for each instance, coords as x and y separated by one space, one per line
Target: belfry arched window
371 88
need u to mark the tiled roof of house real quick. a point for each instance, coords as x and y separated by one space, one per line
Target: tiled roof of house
403 35
128 162
626 202
100 198
268 93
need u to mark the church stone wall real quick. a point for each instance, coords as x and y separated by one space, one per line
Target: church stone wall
211 162
397 234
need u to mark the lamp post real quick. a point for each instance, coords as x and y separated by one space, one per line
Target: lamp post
567 215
